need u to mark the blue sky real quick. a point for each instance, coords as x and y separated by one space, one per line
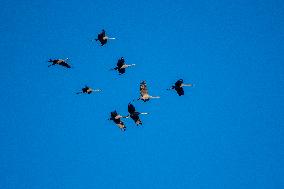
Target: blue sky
226 132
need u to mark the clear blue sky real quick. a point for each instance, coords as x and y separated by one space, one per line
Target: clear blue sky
226 132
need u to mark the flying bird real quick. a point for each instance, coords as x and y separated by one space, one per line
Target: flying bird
121 66
88 90
115 117
60 62
102 38
144 92
133 114
179 87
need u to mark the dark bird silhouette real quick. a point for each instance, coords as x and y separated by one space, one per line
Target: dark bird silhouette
116 118
133 114
88 90
102 38
60 62
144 95
121 66
179 87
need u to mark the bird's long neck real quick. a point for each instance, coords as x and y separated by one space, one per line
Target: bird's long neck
144 113
97 90
186 85
154 97
106 37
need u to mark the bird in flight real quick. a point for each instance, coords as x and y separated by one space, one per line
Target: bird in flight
116 118
133 114
60 62
121 66
144 95
88 90
103 38
178 86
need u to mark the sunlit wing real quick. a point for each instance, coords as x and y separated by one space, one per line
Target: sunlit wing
143 89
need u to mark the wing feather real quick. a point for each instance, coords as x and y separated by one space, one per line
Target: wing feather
143 89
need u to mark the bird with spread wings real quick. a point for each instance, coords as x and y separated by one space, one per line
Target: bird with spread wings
134 115
103 38
178 87
60 62
144 95
116 118
121 66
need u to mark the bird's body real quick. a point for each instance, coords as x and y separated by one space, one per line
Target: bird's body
87 90
116 118
60 62
102 38
178 87
144 95
121 66
133 114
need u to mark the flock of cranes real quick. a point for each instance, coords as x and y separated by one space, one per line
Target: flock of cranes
121 68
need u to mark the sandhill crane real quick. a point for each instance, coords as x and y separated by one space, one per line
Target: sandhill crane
102 38
60 62
88 90
115 117
144 92
133 114
178 87
121 66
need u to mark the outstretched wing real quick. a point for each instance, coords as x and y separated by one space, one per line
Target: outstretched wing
113 114
102 34
131 108
179 83
65 64
143 89
121 70
120 63
103 41
180 91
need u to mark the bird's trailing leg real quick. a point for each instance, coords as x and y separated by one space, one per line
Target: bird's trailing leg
136 99
51 65
112 69
171 88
